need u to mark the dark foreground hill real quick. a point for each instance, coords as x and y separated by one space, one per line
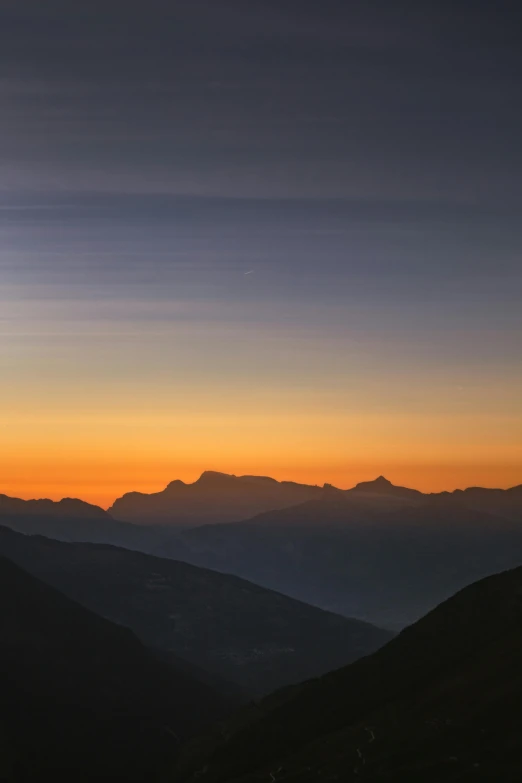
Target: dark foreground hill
440 702
254 637
81 698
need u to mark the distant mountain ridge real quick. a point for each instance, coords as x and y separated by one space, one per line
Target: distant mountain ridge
71 519
213 498
383 553
378 552
381 484
67 507
217 498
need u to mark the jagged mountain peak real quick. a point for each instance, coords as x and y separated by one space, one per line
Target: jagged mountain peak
378 484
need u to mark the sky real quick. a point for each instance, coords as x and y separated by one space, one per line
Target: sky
275 236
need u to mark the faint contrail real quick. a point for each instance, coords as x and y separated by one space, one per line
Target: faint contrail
251 272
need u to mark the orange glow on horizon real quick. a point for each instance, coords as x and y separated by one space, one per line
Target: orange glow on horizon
98 424
102 483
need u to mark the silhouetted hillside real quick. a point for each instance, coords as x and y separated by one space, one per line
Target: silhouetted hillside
214 497
506 503
247 634
82 699
382 553
70 508
222 498
441 702
73 520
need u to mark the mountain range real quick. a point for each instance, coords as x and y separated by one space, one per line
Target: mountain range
71 519
382 553
213 498
221 498
236 630
378 552
117 663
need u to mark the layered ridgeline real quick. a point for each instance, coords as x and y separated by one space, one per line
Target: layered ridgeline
71 519
440 702
221 498
82 699
213 498
383 553
251 636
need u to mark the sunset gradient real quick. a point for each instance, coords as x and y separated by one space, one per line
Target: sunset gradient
96 405
248 238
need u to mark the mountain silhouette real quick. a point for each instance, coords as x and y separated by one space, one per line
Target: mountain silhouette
253 637
378 552
383 553
213 498
71 508
380 484
441 702
71 519
82 699
384 490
